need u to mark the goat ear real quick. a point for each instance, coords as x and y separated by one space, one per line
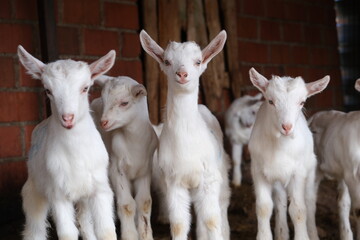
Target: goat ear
102 79
357 85
33 66
102 65
151 47
317 86
138 91
258 80
214 47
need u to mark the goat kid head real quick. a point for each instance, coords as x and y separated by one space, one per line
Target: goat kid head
285 97
67 83
183 63
248 115
357 85
123 99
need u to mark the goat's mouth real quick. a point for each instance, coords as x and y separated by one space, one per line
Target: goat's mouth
68 125
108 127
182 81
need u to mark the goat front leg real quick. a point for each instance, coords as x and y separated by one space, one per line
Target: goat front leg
237 150
264 207
126 205
102 208
178 201
312 185
36 208
208 211
281 225
297 208
64 217
144 202
86 221
344 203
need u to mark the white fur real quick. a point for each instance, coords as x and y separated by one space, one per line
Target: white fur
337 145
68 160
131 142
191 154
282 156
239 120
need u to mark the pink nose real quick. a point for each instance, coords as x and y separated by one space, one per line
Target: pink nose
182 74
104 123
287 127
68 118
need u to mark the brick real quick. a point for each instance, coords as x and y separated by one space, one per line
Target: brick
10 142
5 9
131 45
26 9
254 7
12 35
280 54
313 35
323 100
20 106
68 40
100 42
269 71
226 98
7 73
28 131
300 55
121 15
293 32
12 177
296 11
132 69
319 56
274 9
94 93
317 14
316 74
296 71
26 80
253 52
82 11
247 27
270 30
329 36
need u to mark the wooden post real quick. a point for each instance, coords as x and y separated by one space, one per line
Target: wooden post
151 66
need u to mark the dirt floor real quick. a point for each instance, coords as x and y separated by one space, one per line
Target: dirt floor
242 216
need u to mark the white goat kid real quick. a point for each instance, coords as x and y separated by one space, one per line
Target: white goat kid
124 116
282 156
337 142
191 153
68 160
239 120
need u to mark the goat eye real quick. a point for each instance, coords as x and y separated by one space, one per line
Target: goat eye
124 104
271 102
167 63
85 89
48 92
198 62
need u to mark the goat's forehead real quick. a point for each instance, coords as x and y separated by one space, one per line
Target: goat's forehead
66 71
187 49
118 87
287 86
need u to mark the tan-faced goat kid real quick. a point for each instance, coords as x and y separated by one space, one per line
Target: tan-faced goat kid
337 145
68 160
123 113
191 153
282 156
239 120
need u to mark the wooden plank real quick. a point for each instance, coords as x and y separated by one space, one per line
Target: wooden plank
169 30
214 78
48 37
152 70
230 21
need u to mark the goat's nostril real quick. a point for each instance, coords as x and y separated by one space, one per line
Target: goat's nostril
104 123
68 117
182 74
287 127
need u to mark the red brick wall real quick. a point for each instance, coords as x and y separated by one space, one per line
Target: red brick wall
293 38
86 30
